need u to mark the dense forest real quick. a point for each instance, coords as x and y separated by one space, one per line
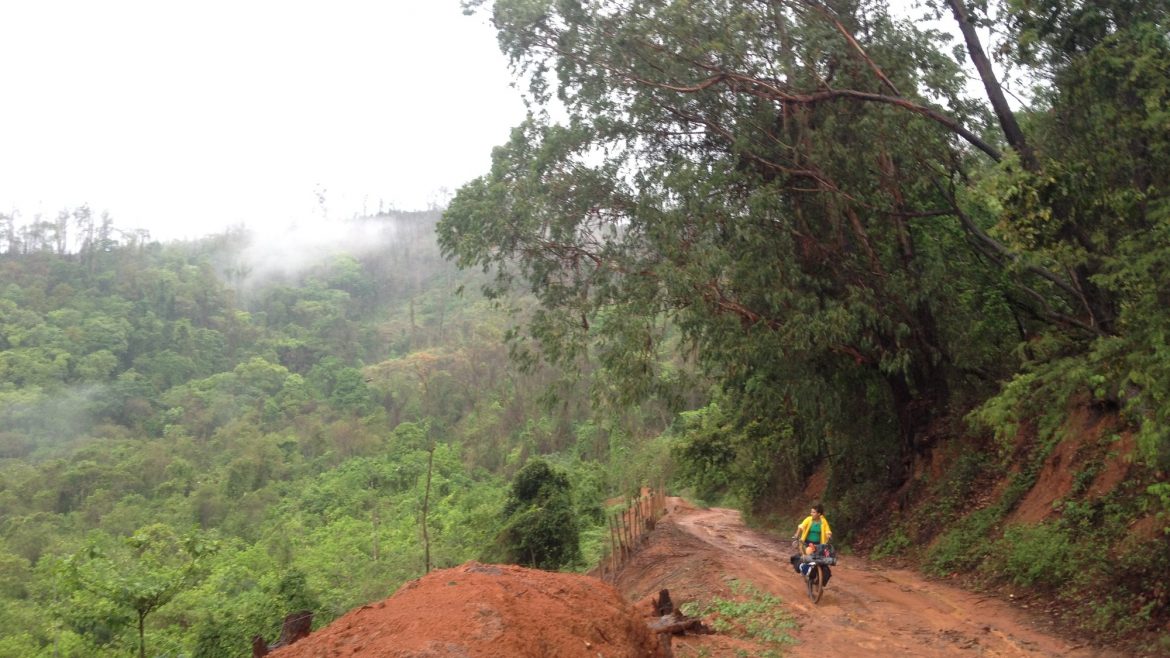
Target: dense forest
202 437
737 243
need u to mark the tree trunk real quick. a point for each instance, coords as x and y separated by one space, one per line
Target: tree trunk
413 328
141 634
1007 119
377 519
426 502
916 398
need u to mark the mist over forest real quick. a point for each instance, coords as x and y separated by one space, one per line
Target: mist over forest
257 411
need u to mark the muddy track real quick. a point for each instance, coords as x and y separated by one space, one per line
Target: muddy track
867 610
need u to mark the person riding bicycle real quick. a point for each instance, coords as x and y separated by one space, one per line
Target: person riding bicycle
813 531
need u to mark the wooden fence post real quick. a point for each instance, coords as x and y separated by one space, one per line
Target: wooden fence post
614 554
629 531
630 527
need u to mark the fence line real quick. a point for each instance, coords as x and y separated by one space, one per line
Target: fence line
628 529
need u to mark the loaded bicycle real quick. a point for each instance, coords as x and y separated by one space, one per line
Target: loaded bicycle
813 561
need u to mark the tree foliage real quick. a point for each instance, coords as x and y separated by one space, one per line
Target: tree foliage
152 567
806 192
747 171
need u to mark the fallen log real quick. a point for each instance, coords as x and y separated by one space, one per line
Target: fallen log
671 622
678 624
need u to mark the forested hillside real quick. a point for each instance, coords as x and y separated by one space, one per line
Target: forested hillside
206 436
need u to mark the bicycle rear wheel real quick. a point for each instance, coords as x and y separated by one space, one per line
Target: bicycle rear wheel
815 582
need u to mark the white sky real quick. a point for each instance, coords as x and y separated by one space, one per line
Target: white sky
184 118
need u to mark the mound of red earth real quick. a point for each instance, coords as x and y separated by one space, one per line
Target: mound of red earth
488 610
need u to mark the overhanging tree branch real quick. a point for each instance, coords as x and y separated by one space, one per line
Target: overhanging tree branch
994 249
1007 119
856 46
737 82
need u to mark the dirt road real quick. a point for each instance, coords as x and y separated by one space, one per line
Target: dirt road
866 610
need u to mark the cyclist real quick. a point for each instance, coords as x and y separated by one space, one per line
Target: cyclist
812 531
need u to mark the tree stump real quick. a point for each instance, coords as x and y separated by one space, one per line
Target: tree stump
662 604
296 626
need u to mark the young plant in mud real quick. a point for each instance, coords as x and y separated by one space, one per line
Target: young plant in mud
752 615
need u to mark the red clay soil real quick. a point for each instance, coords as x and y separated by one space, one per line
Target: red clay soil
1055 479
698 555
478 610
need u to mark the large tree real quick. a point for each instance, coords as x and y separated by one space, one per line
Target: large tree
799 186
151 569
750 171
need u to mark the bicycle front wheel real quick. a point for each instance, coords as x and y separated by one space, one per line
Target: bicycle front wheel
815 582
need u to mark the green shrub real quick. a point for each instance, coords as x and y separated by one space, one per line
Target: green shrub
1038 555
706 454
1160 493
541 529
895 543
964 545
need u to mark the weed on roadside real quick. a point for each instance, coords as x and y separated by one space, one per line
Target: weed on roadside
751 615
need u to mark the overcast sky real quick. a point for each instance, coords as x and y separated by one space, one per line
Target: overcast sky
184 118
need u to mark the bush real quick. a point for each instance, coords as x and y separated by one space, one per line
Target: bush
541 529
1037 555
964 545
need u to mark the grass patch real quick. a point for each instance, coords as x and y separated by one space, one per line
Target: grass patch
751 615
897 542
